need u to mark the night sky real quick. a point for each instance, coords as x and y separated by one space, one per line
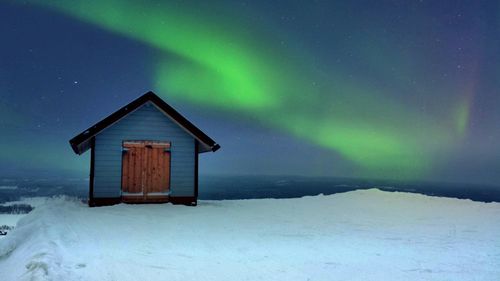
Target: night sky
406 90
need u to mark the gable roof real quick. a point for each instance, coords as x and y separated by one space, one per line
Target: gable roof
81 142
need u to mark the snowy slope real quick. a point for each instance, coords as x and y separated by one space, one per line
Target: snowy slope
10 219
359 235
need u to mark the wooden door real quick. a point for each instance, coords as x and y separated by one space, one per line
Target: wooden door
145 171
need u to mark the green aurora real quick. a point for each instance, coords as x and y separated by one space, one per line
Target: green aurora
211 61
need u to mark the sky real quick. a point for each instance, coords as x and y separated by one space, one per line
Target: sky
405 90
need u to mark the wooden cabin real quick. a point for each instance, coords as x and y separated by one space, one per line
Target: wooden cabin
145 152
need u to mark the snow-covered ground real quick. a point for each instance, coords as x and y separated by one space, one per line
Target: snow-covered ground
32 201
359 235
11 220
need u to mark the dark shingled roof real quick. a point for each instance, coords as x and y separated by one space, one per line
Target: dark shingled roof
81 142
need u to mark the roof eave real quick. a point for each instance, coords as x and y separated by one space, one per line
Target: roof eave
86 135
215 147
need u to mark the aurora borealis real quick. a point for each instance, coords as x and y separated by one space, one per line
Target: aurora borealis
399 91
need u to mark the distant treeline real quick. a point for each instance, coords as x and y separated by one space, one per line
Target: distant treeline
16 209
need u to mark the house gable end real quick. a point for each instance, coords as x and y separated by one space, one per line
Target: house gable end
145 123
81 142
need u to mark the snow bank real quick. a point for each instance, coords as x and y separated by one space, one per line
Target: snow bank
359 235
32 201
11 219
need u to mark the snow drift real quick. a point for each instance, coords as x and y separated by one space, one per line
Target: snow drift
359 235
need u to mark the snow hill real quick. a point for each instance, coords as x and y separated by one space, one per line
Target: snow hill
358 235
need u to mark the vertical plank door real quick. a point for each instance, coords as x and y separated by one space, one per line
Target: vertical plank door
158 170
132 168
145 171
